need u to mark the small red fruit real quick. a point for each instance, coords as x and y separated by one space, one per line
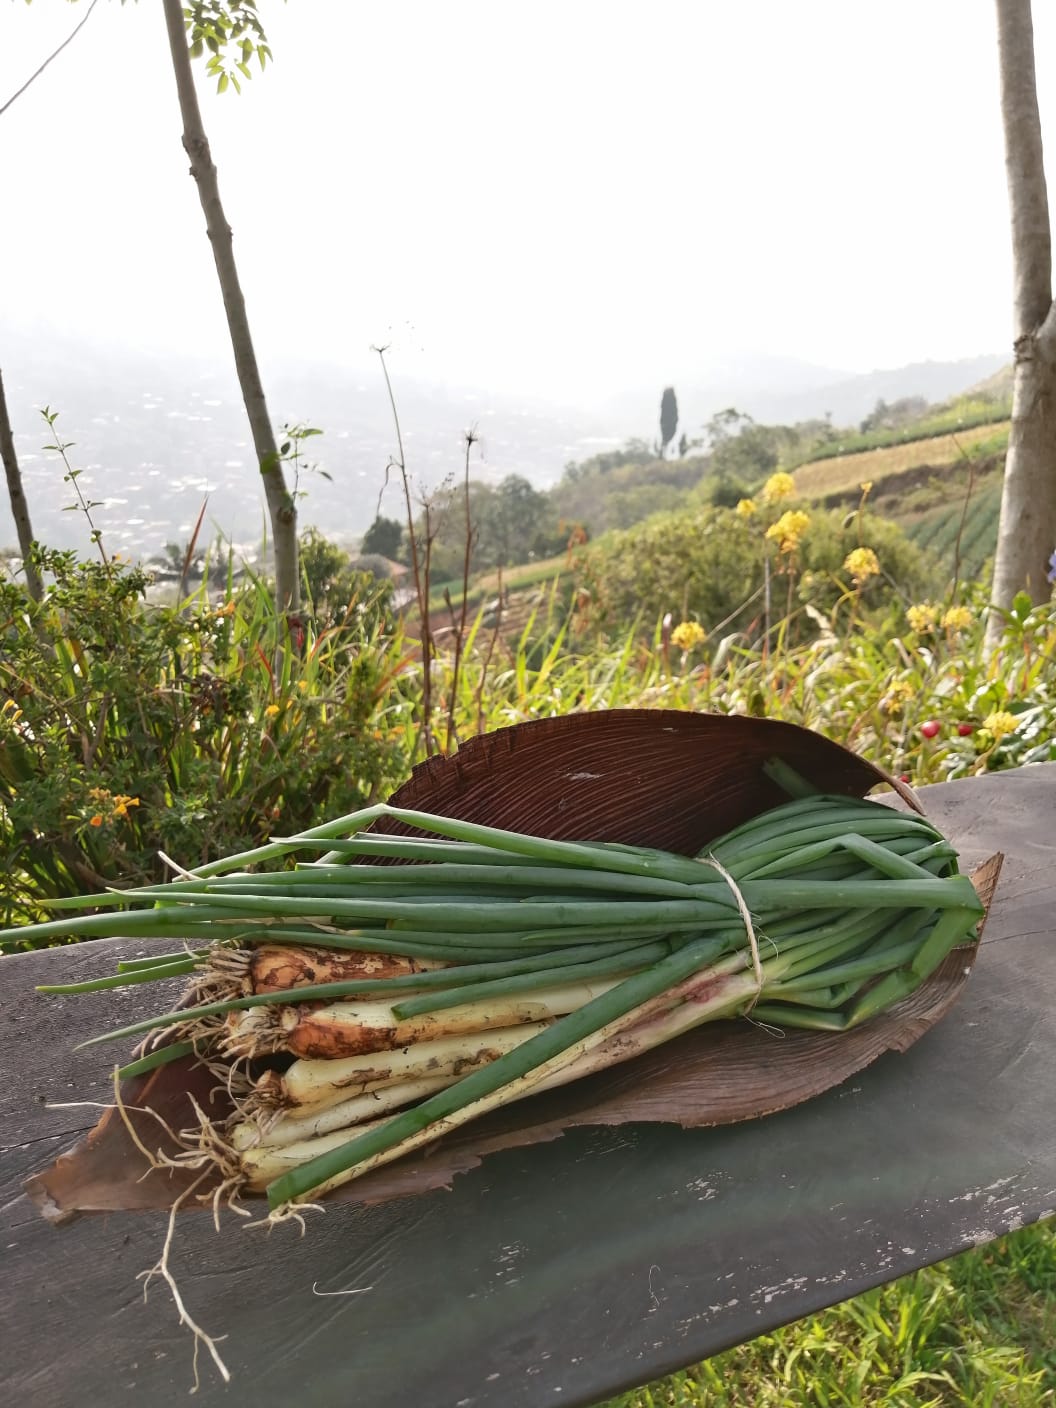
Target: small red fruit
903 777
965 730
931 728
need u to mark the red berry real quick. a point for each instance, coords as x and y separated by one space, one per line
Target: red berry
965 729
903 777
931 728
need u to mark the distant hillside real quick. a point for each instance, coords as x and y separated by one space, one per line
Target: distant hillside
849 401
156 437
998 387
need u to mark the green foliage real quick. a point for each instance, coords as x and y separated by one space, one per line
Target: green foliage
512 522
898 413
743 451
127 729
634 452
231 34
708 565
332 579
619 489
383 537
668 418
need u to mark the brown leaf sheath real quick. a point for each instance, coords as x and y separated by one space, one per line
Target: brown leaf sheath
276 967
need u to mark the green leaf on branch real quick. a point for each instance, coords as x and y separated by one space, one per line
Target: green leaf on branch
1022 606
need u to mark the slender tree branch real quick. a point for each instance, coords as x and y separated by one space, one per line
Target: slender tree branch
69 39
19 506
460 637
281 506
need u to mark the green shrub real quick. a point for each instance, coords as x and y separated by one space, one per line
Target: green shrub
708 565
127 729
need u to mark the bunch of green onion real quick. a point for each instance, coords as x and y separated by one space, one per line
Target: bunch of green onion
526 963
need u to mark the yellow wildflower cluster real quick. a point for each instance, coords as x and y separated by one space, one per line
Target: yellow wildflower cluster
687 634
788 531
922 618
898 695
745 508
1000 723
779 486
862 563
956 618
113 806
272 711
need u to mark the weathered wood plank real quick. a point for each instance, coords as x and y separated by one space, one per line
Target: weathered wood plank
564 1271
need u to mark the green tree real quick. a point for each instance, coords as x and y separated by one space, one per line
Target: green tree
383 537
668 418
740 448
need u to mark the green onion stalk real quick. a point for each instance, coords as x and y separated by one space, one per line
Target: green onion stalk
409 1000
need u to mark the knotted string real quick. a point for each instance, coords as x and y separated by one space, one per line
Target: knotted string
749 928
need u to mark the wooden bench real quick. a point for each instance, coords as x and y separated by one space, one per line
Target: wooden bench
563 1272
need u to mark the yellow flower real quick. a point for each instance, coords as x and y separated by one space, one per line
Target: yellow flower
271 711
862 564
789 528
228 609
779 486
866 487
302 685
957 618
922 618
745 508
1000 723
122 804
687 634
899 693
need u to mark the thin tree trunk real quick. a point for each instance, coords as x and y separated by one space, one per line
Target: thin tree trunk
19 506
281 506
1027 533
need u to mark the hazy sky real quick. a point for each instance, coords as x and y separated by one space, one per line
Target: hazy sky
562 196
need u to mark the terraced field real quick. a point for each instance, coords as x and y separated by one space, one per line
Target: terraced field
820 478
937 528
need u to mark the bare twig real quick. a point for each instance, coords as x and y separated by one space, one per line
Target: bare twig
419 562
33 76
964 519
460 633
486 664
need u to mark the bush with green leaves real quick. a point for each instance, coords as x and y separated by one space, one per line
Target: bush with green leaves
128 729
708 565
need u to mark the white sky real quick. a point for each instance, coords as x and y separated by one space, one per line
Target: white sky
554 197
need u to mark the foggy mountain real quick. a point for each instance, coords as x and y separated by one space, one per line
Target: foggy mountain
156 436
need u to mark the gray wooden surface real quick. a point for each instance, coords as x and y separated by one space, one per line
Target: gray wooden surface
563 1272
